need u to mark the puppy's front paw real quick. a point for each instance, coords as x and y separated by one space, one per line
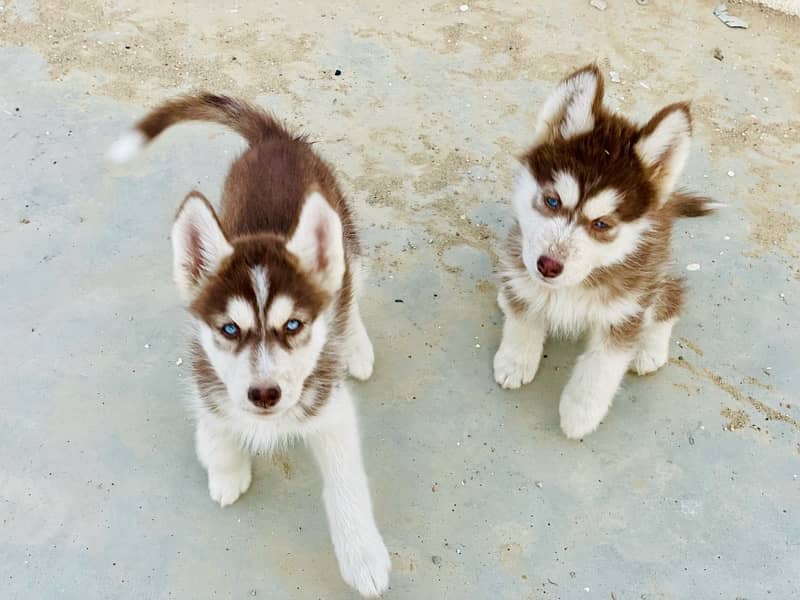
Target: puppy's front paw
512 370
225 486
647 361
365 565
361 356
580 413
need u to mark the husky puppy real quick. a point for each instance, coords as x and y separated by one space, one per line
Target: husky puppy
590 249
270 284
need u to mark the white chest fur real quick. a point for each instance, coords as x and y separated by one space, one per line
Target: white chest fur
573 310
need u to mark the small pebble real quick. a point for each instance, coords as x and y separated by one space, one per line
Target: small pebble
435 559
147 346
599 4
615 77
463 8
179 362
693 267
731 173
337 72
539 484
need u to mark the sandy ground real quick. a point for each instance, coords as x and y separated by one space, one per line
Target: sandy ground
689 490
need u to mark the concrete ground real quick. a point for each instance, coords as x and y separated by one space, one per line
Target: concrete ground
691 487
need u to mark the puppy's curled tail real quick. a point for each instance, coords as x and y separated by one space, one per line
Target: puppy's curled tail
684 204
250 121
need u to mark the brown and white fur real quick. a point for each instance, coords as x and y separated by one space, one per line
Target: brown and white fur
590 249
270 286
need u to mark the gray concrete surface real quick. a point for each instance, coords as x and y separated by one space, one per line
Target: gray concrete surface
689 490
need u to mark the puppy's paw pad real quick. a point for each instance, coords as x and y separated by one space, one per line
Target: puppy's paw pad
512 371
225 487
366 567
646 362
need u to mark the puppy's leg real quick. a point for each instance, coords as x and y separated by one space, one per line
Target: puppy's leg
363 560
594 382
359 351
517 359
653 350
360 355
228 466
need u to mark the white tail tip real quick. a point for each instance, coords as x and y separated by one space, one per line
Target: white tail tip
127 147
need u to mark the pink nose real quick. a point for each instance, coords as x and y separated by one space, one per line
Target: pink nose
549 267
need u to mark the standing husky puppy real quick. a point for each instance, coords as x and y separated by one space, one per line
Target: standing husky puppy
270 284
590 250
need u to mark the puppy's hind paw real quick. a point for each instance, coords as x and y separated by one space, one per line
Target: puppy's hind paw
647 362
361 358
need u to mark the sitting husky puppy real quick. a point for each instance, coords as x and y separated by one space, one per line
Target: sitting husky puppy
270 286
590 250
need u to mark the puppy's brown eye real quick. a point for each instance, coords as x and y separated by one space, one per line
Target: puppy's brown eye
600 225
230 330
292 326
552 202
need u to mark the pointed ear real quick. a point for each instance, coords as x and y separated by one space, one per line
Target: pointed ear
571 108
198 244
663 146
317 243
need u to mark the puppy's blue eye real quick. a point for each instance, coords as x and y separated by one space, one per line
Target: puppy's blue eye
293 325
600 224
230 330
552 202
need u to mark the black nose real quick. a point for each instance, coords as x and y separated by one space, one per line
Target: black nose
549 267
264 397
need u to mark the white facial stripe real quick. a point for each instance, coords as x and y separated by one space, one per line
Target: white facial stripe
280 311
263 363
601 204
241 312
260 287
568 189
